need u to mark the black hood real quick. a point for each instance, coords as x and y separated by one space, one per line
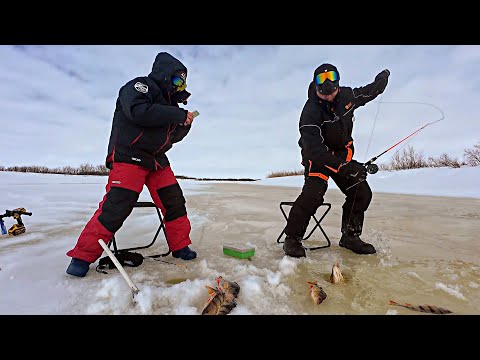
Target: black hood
163 68
312 91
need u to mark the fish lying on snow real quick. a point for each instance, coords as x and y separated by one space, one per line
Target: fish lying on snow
431 309
230 288
218 304
336 275
223 299
317 293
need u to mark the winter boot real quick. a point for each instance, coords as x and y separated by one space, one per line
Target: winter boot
354 243
293 247
78 267
185 254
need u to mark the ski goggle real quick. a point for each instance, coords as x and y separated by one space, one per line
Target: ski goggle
329 75
178 83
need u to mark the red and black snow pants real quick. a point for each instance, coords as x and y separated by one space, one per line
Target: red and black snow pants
125 183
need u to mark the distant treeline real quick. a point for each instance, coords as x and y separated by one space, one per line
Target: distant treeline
409 158
89 169
84 169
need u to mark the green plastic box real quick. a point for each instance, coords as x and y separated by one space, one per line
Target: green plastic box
239 252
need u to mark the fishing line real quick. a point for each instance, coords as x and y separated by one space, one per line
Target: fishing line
409 136
414 133
373 128
370 162
414 102
369 141
171 263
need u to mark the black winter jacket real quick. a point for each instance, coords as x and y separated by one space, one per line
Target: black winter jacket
147 119
326 127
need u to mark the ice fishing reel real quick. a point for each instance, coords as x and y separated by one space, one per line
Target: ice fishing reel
372 168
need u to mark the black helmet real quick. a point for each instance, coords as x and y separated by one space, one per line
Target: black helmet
326 78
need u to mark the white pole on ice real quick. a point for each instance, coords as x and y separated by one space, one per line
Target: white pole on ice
119 266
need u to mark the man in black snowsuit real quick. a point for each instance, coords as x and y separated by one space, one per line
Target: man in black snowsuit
326 143
146 123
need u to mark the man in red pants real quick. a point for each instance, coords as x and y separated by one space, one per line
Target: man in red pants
146 122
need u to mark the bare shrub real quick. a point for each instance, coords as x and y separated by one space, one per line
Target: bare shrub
285 173
408 158
472 155
85 169
384 166
68 170
444 161
101 170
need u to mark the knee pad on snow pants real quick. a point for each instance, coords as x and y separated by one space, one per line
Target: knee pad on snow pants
305 206
173 200
117 207
354 209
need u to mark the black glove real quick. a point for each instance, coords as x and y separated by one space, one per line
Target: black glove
354 170
383 75
181 97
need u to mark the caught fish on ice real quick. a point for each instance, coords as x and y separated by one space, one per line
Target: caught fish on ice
223 299
230 288
336 275
431 309
316 292
218 304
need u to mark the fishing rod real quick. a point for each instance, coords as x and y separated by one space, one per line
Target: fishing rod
373 168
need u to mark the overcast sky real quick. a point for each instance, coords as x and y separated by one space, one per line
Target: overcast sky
57 102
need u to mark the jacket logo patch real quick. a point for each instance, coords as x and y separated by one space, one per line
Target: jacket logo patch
348 106
140 87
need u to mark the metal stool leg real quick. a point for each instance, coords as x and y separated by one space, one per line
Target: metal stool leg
161 227
317 221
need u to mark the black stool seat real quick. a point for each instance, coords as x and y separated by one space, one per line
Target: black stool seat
317 225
